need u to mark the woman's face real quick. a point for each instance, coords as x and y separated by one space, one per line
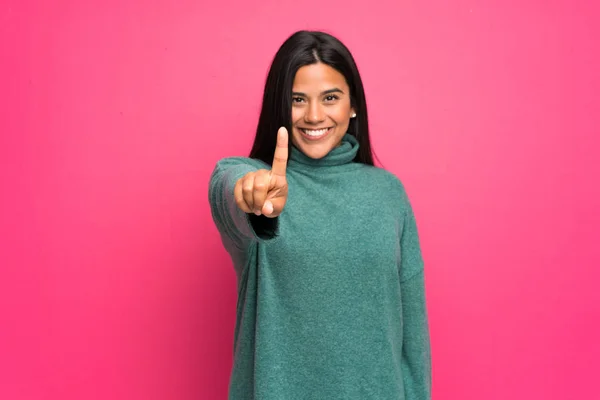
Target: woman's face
321 109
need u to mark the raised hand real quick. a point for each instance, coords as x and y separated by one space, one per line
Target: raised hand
264 192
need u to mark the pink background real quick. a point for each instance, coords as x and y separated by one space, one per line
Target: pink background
114 283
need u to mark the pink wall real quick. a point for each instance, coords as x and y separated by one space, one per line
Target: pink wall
114 284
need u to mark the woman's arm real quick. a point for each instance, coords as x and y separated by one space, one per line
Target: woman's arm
416 352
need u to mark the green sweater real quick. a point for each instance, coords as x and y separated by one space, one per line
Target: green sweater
331 295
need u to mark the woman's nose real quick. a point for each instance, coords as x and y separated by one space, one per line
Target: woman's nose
314 113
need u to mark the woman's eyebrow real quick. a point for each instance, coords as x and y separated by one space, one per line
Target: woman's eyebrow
329 91
334 90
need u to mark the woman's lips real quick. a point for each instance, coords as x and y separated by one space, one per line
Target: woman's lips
315 134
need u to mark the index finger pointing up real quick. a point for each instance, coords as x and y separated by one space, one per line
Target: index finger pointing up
281 153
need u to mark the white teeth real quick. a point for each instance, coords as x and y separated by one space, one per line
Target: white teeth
315 132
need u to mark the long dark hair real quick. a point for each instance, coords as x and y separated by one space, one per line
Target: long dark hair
300 49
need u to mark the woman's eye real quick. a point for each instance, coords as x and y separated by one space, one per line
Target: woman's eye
331 98
297 99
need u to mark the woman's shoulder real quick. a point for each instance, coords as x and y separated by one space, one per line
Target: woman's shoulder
227 162
383 176
386 181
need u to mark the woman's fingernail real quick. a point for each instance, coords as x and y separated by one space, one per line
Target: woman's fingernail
269 207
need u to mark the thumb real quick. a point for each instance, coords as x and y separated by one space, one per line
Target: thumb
267 208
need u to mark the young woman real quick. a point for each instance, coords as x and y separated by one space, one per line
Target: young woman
331 298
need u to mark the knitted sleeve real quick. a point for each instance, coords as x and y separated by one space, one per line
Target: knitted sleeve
416 353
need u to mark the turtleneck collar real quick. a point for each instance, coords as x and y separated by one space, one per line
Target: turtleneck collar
342 154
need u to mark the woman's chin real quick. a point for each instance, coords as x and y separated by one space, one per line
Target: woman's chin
314 153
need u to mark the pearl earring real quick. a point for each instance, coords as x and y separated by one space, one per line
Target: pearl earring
353 115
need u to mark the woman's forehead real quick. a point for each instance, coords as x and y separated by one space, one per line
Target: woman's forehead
317 78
